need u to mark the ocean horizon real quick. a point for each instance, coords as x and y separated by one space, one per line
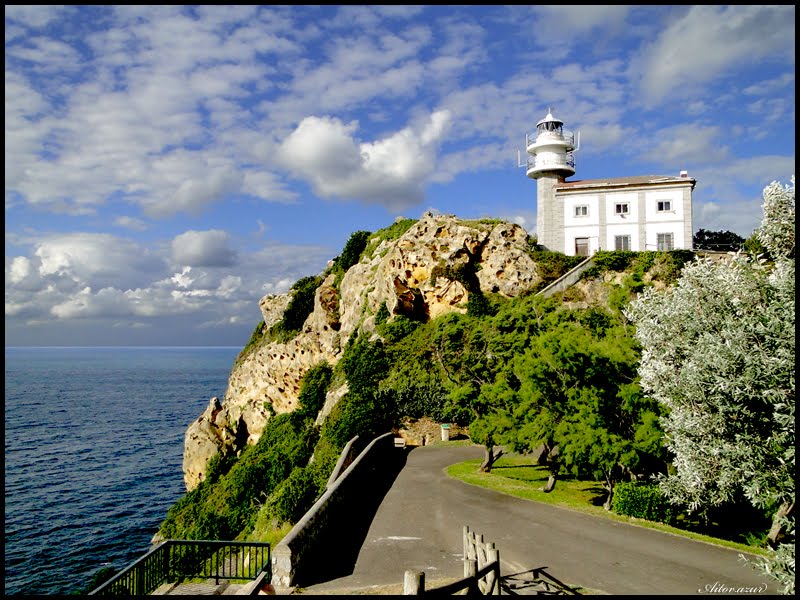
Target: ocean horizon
94 453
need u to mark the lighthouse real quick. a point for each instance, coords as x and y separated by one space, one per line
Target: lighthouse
551 159
579 217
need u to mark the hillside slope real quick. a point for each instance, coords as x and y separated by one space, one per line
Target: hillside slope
416 269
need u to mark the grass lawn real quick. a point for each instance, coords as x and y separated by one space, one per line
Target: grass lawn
516 475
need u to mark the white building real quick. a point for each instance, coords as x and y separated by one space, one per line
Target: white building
622 213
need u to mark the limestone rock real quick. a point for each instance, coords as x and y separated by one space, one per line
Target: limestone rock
204 438
272 308
403 273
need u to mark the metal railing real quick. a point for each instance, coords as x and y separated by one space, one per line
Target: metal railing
566 136
542 163
176 560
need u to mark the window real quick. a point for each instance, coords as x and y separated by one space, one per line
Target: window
621 208
582 246
664 241
664 206
622 242
582 211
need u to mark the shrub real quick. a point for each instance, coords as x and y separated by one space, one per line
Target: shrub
552 265
398 328
313 388
224 508
301 304
643 501
351 253
293 497
416 400
326 455
217 466
365 414
392 232
364 363
382 315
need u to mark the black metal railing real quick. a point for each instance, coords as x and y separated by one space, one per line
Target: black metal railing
177 560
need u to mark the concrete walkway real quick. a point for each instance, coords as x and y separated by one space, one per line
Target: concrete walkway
419 525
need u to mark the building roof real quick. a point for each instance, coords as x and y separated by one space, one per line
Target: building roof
621 182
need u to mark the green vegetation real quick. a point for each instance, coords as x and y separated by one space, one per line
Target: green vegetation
222 507
392 232
517 475
723 367
300 306
296 313
466 274
312 392
485 224
551 265
643 501
662 266
721 241
351 254
592 391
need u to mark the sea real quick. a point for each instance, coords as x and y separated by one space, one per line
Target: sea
94 453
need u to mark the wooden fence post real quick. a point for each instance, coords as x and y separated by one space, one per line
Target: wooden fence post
414 583
493 579
465 540
470 568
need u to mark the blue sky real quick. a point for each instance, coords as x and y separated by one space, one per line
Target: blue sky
166 167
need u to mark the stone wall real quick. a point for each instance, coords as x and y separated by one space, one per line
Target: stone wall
332 531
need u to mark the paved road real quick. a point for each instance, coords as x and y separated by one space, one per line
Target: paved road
419 524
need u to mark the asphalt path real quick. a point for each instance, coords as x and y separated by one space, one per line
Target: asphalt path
419 524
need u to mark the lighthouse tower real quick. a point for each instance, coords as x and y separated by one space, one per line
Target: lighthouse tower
551 159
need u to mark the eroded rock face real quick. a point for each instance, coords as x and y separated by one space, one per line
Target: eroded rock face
272 308
405 274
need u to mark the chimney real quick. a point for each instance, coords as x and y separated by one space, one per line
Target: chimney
685 174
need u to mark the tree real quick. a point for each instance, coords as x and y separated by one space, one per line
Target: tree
719 355
725 241
579 401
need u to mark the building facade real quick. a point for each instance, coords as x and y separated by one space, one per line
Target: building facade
580 217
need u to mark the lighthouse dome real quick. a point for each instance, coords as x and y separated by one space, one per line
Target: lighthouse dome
549 119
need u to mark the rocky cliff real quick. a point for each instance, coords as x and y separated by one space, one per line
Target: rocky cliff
413 274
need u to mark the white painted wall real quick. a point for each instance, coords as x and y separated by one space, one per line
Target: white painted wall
675 197
629 229
593 218
675 228
588 231
631 224
614 198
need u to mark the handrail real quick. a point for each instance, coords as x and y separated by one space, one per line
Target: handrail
175 560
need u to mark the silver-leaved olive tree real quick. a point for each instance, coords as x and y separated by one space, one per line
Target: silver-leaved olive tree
719 355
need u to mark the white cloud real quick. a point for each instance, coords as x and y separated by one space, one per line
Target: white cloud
20 269
685 144
33 16
49 56
203 249
163 119
130 223
707 42
391 171
94 279
100 259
